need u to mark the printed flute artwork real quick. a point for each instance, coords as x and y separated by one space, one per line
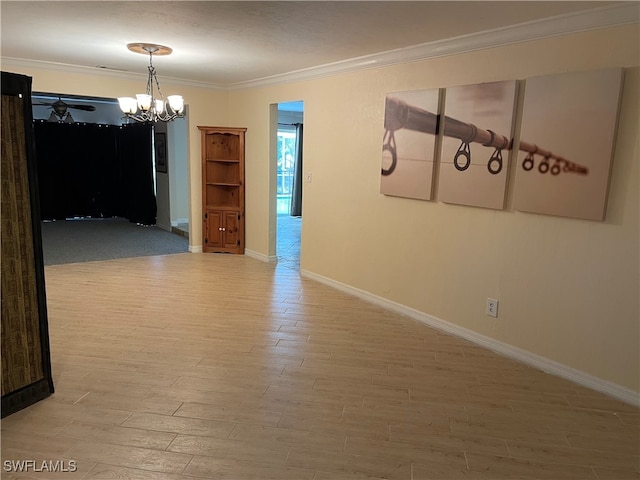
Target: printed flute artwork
399 114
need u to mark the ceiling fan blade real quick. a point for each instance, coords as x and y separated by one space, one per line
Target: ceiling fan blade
86 108
43 104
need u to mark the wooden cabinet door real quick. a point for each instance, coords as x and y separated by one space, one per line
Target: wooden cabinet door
231 230
222 230
213 230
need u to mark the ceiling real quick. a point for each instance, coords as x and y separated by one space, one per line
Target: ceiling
220 43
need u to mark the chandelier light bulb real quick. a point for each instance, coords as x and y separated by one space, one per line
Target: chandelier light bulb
128 105
176 102
144 101
159 106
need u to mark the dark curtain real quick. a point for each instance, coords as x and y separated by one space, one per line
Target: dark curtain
89 170
296 194
137 160
78 170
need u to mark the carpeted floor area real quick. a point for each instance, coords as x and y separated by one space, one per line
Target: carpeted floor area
87 240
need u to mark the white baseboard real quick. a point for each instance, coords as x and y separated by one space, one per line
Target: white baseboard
546 365
178 221
163 227
260 256
195 248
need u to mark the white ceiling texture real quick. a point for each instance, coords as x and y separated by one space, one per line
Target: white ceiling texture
243 43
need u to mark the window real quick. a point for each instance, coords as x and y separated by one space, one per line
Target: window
286 152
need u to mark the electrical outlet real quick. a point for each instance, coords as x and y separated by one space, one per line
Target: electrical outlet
492 307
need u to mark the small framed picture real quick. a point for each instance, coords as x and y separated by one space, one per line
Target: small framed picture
161 152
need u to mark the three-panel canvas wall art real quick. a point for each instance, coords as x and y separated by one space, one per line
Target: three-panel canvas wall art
465 141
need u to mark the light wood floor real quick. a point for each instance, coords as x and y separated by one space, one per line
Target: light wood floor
223 367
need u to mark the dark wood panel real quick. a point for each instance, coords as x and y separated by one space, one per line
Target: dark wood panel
26 360
21 353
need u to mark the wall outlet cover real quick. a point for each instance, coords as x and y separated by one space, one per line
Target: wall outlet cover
492 307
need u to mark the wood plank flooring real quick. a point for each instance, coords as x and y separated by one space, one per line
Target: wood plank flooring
205 366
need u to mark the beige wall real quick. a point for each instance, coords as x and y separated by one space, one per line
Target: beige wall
568 289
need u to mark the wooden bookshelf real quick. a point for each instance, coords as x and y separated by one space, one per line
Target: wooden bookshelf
223 189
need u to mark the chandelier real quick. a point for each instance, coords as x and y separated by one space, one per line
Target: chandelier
149 107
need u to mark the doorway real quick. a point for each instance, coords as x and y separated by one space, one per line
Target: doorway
85 176
289 183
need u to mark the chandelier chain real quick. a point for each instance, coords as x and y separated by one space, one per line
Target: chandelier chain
153 77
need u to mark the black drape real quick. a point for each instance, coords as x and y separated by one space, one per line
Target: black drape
78 170
296 193
137 161
89 170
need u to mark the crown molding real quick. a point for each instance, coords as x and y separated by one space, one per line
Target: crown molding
106 72
610 16
605 17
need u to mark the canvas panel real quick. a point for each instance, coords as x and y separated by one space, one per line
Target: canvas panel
473 112
408 154
572 116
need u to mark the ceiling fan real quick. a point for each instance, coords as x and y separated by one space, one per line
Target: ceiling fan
59 111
